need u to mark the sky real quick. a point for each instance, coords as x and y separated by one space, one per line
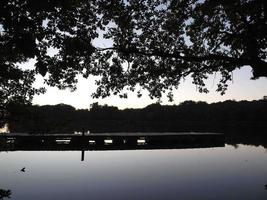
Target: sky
242 88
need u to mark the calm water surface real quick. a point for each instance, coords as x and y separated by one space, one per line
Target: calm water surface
213 173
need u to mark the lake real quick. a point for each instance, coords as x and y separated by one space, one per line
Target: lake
229 172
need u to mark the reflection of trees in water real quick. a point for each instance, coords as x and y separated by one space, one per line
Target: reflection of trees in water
247 140
5 194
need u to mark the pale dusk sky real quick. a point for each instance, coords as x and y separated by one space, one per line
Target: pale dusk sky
242 88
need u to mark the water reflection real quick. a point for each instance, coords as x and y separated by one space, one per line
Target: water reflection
257 140
141 171
199 173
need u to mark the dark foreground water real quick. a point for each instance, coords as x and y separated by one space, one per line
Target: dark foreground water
228 172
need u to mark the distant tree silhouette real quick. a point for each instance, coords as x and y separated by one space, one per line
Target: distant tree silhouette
227 116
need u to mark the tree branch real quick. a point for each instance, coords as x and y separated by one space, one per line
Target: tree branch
186 57
259 66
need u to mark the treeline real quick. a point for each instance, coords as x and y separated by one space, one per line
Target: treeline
246 117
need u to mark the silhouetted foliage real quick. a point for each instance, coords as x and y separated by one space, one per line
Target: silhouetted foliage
155 44
165 41
227 116
28 30
5 194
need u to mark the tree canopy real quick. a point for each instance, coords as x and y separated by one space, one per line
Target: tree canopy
154 44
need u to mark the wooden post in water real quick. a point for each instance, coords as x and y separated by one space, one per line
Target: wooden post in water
82 158
83 144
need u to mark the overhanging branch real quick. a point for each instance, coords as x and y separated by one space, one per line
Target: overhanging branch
258 65
179 55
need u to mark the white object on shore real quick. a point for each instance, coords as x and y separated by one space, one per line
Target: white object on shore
4 129
80 133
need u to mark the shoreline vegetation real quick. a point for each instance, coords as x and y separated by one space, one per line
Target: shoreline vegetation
246 118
